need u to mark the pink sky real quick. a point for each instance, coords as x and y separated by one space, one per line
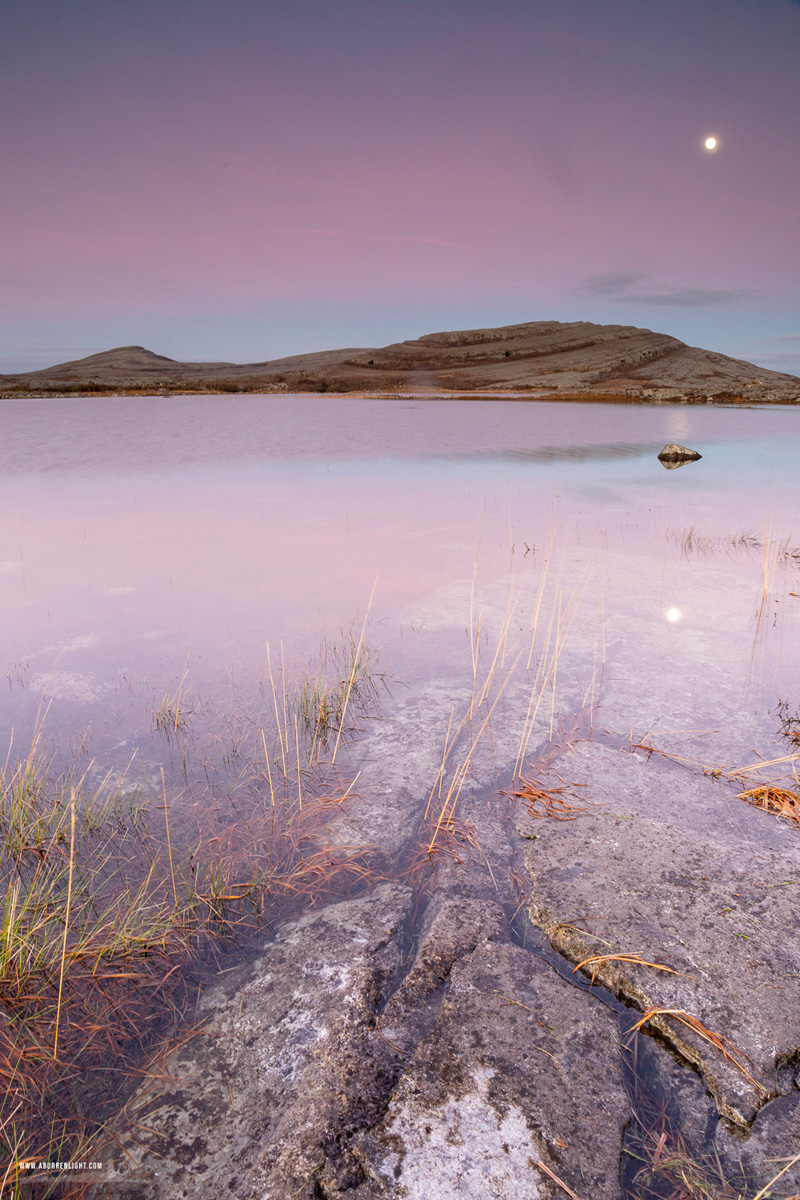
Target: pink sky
240 181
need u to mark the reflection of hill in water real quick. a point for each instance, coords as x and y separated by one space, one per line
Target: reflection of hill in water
546 454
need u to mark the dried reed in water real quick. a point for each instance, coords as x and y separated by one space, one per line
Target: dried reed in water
546 802
720 1043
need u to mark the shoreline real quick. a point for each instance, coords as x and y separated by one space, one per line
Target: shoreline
721 400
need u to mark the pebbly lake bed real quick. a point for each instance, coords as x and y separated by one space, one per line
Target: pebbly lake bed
375 769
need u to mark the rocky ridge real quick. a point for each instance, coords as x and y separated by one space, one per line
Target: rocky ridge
575 360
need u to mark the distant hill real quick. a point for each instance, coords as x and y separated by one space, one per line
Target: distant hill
546 358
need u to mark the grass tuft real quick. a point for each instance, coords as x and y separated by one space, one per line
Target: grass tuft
339 690
173 712
115 904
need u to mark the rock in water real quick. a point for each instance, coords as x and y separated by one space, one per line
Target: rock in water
370 1056
673 453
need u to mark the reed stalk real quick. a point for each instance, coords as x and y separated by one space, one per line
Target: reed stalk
169 840
66 924
352 676
105 924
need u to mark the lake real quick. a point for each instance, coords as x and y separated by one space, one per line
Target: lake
315 641
147 537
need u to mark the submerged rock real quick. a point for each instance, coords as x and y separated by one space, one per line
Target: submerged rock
675 872
347 1064
280 1070
674 455
519 1081
769 1146
396 1046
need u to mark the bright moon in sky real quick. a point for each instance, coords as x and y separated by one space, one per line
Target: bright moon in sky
674 614
710 143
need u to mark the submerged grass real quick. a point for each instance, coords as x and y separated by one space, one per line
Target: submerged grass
338 690
87 938
552 616
116 901
789 723
177 705
672 1167
546 802
773 548
773 797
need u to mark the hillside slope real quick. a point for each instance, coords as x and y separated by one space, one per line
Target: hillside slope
543 357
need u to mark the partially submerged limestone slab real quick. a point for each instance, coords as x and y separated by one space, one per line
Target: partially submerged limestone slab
465 1146
769 1148
519 1081
282 1064
358 1061
671 870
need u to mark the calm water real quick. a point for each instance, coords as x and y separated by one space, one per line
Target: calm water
145 538
525 572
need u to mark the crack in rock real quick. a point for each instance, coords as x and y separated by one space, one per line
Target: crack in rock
628 880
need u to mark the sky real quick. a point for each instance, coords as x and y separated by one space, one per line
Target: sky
239 180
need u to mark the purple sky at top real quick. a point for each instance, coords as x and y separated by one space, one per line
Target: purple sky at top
242 179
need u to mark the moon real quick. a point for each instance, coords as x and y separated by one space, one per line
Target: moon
710 143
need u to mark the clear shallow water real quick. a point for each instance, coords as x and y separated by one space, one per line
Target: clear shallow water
519 565
142 535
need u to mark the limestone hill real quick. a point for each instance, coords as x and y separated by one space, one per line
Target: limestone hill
545 358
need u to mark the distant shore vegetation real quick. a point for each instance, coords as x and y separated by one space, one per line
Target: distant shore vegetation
322 387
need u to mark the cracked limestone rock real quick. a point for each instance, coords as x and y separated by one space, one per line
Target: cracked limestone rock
521 1073
364 1058
284 1063
671 869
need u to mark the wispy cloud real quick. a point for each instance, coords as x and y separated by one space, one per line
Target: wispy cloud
611 284
694 297
627 287
374 237
783 339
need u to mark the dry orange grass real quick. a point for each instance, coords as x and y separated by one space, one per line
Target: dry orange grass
598 960
546 802
720 1043
782 802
